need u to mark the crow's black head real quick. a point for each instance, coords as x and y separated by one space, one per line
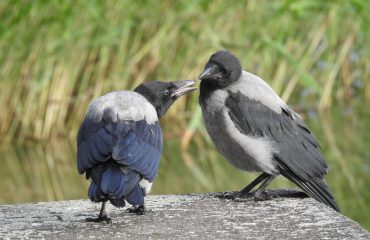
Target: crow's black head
162 94
221 70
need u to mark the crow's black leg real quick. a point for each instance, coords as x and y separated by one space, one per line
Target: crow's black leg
102 216
260 193
245 192
139 210
255 182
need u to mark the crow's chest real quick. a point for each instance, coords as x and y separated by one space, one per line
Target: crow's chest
231 147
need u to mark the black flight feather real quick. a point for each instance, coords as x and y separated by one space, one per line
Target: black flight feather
298 154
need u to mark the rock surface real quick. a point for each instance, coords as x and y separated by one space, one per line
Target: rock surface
192 216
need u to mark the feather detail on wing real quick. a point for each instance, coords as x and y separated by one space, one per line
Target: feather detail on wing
117 154
297 152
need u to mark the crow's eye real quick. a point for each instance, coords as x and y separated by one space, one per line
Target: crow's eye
223 70
166 92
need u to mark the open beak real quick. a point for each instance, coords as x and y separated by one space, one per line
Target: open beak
211 72
183 87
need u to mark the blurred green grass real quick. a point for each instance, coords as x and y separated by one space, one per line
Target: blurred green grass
56 56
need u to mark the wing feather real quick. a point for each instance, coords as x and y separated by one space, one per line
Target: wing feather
298 154
117 154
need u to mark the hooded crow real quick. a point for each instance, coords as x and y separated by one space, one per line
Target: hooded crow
255 130
120 142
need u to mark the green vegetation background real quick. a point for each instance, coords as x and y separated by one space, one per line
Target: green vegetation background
56 56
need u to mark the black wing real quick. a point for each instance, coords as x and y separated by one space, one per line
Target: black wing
298 157
136 145
117 155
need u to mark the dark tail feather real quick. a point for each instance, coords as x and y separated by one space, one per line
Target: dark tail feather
315 188
114 183
321 184
95 193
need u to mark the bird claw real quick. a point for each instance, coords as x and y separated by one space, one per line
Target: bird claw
100 219
244 197
139 210
262 196
227 195
236 196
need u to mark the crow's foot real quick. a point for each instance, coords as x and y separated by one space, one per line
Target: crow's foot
139 210
244 197
261 196
100 219
234 195
227 195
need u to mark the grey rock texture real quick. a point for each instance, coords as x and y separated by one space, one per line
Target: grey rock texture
192 216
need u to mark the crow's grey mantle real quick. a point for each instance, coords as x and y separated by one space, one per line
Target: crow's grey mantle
193 216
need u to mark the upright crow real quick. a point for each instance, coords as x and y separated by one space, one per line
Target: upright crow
255 130
120 143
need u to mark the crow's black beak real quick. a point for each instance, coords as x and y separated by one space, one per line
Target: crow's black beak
183 87
211 72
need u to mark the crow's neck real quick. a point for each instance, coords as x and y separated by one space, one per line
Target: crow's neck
206 88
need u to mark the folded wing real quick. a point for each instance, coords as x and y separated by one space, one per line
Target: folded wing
117 153
297 152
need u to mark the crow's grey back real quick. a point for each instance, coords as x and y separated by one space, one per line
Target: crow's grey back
122 106
257 89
